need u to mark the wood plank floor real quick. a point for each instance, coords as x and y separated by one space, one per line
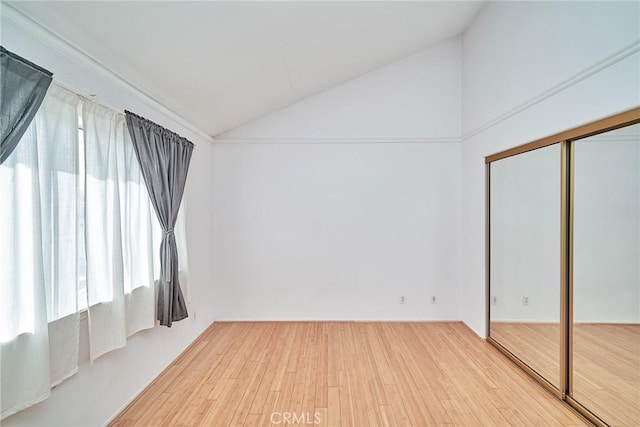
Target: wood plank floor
606 363
536 344
344 374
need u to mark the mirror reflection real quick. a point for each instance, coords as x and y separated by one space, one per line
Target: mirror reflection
606 269
525 258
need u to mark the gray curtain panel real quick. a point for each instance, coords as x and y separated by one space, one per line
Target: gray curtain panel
164 160
23 86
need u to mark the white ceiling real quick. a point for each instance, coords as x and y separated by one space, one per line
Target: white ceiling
222 64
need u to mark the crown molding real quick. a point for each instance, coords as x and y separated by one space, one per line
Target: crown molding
338 140
595 68
75 53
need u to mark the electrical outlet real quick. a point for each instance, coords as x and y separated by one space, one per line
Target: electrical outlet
525 300
403 299
434 300
494 300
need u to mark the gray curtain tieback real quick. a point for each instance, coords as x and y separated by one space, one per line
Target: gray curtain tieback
167 266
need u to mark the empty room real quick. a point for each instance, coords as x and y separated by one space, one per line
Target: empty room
331 213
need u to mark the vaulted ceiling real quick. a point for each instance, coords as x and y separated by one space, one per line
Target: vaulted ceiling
222 64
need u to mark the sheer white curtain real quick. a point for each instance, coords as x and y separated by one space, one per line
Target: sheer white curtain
39 320
77 231
122 234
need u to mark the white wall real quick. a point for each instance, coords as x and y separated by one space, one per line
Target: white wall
417 97
337 206
336 231
97 393
532 69
517 51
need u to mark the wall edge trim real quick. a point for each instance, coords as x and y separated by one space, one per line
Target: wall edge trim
595 68
337 140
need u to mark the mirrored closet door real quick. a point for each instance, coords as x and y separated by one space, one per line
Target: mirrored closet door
525 258
563 264
606 275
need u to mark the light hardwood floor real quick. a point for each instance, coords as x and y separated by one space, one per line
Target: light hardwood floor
536 344
346 373
606 363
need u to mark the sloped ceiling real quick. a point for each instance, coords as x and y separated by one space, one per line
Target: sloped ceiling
222 64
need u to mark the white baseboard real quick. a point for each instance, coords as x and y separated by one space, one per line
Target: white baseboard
353 320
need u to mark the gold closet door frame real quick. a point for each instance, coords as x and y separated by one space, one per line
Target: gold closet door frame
567 140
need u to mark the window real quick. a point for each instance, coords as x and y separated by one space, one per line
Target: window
77 232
